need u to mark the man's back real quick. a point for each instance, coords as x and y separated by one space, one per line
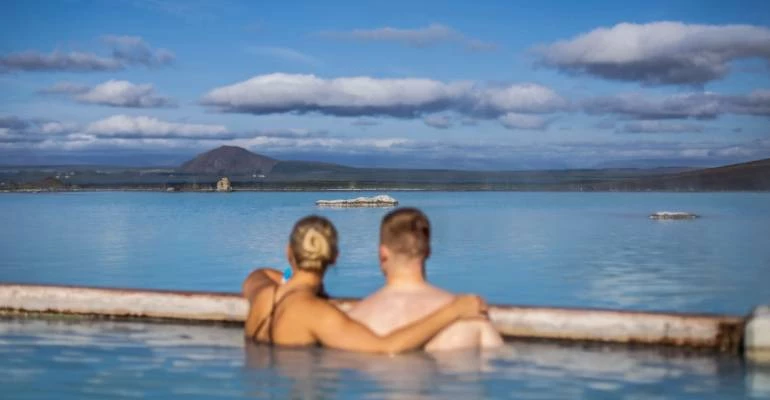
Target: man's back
391 308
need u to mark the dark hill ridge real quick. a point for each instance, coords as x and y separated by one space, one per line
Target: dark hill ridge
248 170
240 165
237 161
290 167
228 160
754 175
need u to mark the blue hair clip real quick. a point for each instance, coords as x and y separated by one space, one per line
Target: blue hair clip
286 274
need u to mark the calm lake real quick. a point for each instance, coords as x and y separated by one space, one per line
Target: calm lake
558 249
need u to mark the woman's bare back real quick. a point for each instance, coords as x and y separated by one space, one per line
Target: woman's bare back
292 314
279 316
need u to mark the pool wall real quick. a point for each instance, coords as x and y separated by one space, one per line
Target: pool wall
723 333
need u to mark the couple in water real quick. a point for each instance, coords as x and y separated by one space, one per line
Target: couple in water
406 314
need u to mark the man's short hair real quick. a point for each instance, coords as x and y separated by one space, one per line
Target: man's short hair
406 231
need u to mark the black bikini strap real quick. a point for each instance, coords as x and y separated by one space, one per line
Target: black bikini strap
269 319
275 307
266 319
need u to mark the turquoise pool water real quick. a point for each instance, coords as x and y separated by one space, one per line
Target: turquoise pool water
101 360
560 249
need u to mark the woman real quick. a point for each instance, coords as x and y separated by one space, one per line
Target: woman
295 313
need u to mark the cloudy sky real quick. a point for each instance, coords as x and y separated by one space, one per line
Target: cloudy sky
485 85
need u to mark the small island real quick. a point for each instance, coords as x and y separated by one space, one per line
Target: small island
673 215
376 201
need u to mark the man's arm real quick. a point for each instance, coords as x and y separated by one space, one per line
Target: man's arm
258 279
333 328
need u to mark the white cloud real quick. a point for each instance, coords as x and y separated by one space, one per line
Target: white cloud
56 127
126 50
126 126
139 134
368 97
755 103
113 93
522 98
696 105
736 151
20 132
354 96
57 61
123 94
658 53
523 121
337 144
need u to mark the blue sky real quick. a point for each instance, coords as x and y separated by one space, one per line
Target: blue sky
496 85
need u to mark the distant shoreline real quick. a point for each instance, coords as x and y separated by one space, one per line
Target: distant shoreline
235 168
385 189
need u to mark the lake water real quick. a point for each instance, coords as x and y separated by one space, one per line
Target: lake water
557 249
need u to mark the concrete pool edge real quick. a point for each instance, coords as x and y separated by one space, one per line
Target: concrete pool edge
723 333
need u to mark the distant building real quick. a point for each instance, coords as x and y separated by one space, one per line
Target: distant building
223 185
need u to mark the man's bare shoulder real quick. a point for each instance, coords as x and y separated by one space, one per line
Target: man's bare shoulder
366 305
397 298
393 307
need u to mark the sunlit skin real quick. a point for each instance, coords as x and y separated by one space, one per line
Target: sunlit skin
301 317
407 296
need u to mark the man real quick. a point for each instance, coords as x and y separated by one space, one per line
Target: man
407 296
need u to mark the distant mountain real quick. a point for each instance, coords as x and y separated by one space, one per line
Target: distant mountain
241 165
228 160
661 163
754 175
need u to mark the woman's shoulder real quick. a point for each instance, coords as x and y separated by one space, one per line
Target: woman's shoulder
259 280
305 303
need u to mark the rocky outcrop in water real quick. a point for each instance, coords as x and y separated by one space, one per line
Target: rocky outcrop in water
376 201
673 215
